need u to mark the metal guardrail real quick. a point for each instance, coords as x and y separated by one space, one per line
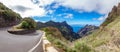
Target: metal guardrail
38 46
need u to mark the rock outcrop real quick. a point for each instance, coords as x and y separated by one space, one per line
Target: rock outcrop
88 29
111 16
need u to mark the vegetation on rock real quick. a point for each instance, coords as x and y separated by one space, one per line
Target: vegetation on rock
112 16
28 23
8 17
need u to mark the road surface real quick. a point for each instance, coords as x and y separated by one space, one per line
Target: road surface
18 43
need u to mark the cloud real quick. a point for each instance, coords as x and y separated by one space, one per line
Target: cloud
53 18
40 21
27 8
66 15
50 11
45 2
101 18
20 8
56 5
100 6
59 15
69 16
36 7
35 1
94 19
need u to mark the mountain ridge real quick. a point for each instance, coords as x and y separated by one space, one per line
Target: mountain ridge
86 30
63 27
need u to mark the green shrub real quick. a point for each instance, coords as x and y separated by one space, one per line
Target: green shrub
58 43
68 49
99 42
25 25
9 15
3 7
46 29
28 23
82 47
50 38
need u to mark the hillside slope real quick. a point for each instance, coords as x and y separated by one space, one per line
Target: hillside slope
106 39
8 17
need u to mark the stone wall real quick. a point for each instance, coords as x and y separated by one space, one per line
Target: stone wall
21 32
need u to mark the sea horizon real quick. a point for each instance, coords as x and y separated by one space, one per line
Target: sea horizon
77 27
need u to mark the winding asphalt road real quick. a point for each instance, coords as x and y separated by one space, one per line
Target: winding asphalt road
18 43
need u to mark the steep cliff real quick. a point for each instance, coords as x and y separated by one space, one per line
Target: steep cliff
113 15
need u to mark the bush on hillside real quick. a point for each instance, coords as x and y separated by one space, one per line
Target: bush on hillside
28 23
3 7
24 24
82 47
9 15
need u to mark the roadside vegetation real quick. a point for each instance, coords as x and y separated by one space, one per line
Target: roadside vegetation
27 23
55 37
61 44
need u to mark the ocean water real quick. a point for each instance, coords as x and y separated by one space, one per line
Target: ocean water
76 28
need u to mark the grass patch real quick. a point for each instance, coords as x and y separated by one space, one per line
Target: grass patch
99 42
82 47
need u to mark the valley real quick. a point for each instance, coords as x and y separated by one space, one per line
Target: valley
61 26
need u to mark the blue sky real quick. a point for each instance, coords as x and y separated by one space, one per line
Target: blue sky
71 16
72 11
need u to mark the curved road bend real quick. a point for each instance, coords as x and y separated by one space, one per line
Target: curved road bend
18 43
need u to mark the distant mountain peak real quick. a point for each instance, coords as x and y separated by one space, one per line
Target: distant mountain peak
64 22
51 21
87 29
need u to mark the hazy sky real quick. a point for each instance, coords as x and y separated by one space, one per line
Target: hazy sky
72 11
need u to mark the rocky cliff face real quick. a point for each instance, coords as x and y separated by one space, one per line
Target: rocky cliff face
88 29
8 17
63 27
111 16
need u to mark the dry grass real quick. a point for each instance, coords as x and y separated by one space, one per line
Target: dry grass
107 40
